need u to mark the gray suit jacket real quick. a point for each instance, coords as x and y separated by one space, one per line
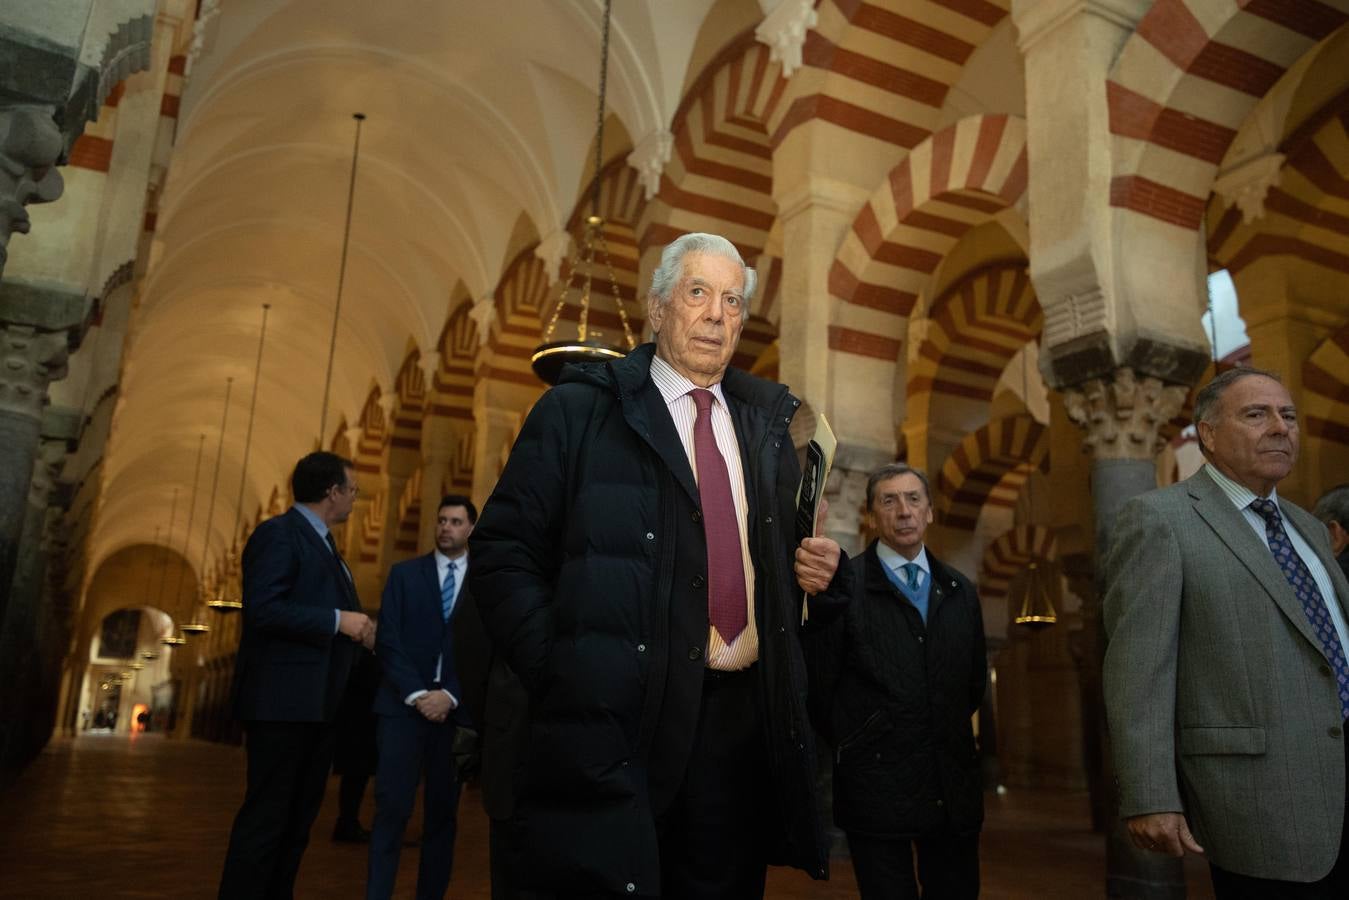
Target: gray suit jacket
1221 702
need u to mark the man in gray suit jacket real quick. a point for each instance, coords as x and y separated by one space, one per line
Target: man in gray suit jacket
1225 677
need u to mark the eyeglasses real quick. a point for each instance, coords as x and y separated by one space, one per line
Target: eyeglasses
352 489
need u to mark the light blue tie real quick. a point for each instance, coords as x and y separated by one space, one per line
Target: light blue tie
912 575
447 593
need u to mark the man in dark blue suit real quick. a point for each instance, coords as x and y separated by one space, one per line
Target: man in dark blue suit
418 702
301 621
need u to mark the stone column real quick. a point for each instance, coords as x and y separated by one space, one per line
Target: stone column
1121 416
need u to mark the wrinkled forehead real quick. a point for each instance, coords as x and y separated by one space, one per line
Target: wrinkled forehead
1258 391
905 484
715 270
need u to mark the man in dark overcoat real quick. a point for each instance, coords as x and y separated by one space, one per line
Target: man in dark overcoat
894 683
638 567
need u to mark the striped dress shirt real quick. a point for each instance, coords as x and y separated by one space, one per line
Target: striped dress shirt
674 388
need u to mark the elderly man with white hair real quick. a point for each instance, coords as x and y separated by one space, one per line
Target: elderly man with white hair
637 566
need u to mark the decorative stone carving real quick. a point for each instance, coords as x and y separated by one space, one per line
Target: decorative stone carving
1073 315
388 399
552 249
484 315
29 361
429 362
650 157
1248 184
30 145
353 436
784 30
1122 416
51 457
203 31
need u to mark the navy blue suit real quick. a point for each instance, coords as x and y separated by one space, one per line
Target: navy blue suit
289 677
412 636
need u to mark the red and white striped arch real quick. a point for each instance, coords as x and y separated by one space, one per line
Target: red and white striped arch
1307 213
458 348
989 466
1325 393
883 69
521 296
410 385
1184 83
974 329
960 177
720 175
1009 554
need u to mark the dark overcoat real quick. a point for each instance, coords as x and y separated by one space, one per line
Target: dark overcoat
894 698
589 571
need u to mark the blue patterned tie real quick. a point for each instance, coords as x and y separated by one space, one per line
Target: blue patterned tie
447 593
911 576
1308 594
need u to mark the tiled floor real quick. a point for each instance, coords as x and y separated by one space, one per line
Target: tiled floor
115 818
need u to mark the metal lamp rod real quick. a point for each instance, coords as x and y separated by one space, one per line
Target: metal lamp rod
191 515
341 276
252 411
215 479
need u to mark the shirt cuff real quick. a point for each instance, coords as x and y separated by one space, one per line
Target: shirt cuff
337 621
454 701
412 698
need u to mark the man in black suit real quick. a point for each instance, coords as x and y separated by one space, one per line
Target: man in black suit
417 701
1333 509
894 684
301 619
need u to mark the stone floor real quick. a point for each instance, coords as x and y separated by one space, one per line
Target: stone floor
107 817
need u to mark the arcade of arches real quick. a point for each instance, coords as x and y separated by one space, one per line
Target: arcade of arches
984 229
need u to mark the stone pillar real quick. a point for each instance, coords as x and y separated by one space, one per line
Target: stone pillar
1121 417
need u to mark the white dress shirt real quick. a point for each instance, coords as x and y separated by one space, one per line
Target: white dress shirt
895 561
443 564
674 388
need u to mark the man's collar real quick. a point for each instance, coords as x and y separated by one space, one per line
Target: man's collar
893 560
313 519
442 560
1240 495
673 385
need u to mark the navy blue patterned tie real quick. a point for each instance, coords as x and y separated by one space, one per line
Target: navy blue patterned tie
447 593
1308 594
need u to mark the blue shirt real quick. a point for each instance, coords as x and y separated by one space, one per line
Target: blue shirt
322 528
894 562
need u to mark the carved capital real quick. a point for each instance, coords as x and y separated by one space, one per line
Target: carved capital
784 29
30 360
1123 415
650 157
551 250
353 436
51 457
429 362
484 315
203 32
30 145
1247 184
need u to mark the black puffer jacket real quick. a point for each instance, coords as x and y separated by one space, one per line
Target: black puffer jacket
589 563
894 698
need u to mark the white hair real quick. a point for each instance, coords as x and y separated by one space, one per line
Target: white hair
671 266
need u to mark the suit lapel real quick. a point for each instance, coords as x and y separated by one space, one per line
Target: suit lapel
319 545
1231 527
1307 526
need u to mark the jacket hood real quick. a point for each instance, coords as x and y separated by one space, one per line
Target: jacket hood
629 375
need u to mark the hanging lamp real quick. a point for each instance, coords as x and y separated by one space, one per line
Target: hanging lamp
1042 583
229 592
341 276
215 483
592 255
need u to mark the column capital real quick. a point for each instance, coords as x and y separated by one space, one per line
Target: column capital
429 362
1122 415
784 29
552 249
815 192
649 157
29 361
484 315
1246 185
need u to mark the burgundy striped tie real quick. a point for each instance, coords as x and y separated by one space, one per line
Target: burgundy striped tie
725 565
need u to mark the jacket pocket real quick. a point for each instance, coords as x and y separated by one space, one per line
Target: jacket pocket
860 736
1222 741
